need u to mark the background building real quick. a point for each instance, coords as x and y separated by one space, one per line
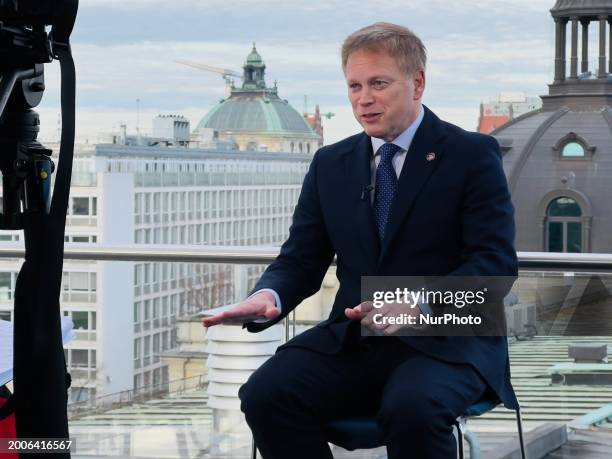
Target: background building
125 313
558 159
257 119
506 107
314 121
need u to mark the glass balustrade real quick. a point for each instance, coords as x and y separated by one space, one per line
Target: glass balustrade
178 382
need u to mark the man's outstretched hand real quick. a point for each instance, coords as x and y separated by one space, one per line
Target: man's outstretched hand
260 306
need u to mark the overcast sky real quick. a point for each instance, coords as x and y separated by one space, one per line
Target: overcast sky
124 50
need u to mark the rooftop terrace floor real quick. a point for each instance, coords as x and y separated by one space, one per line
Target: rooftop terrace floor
180 426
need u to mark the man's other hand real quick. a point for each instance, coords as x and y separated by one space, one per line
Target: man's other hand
259 306
360 311
366 311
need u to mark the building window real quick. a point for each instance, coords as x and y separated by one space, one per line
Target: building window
6 286
80 206
564 226
137 348
79 286
573 146
80 320
572 150
79 358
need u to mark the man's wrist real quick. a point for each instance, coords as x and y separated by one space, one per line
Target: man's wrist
269 295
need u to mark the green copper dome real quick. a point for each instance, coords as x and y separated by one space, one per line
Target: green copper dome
255 114
255 107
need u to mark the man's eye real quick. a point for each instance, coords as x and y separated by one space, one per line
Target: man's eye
379 84
354 86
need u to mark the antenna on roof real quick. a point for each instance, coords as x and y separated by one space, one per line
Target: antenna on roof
138 120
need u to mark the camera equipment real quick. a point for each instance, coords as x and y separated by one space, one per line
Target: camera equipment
33 33
25 46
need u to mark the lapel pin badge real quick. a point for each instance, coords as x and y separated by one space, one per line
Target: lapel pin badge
430 156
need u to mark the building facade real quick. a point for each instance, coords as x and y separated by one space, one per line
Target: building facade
125 313
506 107
558 159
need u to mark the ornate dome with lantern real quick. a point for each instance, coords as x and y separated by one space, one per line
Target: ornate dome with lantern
558 159
257 119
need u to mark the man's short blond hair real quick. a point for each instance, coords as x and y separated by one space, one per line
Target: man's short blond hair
399 42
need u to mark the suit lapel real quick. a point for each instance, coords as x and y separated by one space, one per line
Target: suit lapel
357 168
422 158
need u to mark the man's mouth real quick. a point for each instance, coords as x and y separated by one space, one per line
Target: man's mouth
371 117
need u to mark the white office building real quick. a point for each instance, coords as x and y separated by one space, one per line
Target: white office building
125 312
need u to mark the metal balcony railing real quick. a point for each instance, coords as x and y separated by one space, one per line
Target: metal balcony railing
532 261
140 395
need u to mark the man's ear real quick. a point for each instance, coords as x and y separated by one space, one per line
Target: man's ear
419 83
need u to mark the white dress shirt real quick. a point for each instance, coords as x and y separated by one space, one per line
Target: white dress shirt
404 140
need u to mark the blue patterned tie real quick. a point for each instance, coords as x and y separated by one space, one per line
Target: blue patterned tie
386 183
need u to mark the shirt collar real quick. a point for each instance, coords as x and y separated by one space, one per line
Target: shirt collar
405 138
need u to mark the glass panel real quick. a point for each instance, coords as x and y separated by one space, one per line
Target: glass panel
79 281
555 237
80 206
563 207
572 150
147 345
79 358
80 320
5 286
574 237
548 314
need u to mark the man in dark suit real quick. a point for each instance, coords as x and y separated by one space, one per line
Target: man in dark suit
410 196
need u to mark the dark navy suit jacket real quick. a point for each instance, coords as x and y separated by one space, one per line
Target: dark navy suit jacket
451 216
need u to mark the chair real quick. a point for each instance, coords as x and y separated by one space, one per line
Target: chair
362 432
479 409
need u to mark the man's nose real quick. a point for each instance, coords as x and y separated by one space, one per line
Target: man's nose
366 97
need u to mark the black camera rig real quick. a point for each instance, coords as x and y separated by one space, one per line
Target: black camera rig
25 46
34 33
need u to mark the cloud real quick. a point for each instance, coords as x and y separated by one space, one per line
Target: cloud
124 51
341 7
92 122
465 117
295 21
341 125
